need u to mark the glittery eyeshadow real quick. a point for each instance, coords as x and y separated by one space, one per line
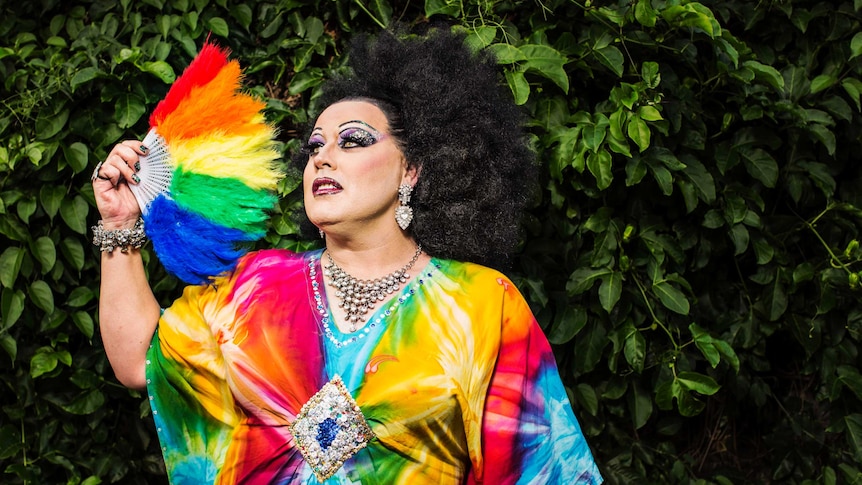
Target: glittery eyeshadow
357 136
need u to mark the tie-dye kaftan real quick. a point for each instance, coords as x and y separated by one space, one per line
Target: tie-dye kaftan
453 375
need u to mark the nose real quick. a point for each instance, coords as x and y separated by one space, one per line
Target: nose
323 157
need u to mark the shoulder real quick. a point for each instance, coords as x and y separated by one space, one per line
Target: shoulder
274 265
474 277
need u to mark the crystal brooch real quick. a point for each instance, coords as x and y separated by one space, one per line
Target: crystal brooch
329 429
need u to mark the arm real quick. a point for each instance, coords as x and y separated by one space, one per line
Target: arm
128 311
529 433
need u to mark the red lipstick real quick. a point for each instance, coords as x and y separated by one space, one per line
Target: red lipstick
325 186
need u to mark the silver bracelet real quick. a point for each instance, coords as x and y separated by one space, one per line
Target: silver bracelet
123 239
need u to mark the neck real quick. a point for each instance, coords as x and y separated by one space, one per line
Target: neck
372 257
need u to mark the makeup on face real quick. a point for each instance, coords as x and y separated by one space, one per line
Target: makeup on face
349 136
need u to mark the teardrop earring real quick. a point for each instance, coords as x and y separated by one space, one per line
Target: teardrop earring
404 214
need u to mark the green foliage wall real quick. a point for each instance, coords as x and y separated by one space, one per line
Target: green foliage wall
693 254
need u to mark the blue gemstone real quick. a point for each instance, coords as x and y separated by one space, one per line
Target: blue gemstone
326 432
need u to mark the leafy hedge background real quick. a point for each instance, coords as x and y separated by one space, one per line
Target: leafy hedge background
693 255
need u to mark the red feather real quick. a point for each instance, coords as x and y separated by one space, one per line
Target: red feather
203 68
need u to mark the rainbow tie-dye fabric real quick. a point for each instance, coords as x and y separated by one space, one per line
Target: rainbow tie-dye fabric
453 375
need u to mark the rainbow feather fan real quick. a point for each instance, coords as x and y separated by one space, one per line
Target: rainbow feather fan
208 181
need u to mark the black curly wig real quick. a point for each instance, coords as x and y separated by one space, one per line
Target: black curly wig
457 123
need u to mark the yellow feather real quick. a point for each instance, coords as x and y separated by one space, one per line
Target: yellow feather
248 158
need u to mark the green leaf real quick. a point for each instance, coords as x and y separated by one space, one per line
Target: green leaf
692 15
705 343
582 279
84 322
11 307
645 14
305 80
612 58
51 196
694 381
42 296
218 27
83 76
766 73
665 393
546 62
672 298
80 296
824 135
853 433
86 403
851 379
45 253
636 170
481 37
775 300
589 347
128 109
689 406
610 290
697 173
586 396
639 132
740 236
48 125
242 14
649 113
567 323
634 348
760 165
663 178
822 82
640 406
506 53
727 352
161 70
74 214
442 7
599 164
76 156
519 86
72 249
42 362
856 45
10 346
25 209
10 265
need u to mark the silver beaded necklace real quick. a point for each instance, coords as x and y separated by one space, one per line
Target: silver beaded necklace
356 296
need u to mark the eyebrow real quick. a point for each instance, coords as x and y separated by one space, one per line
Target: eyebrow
342 126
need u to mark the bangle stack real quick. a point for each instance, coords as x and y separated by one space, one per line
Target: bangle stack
123 239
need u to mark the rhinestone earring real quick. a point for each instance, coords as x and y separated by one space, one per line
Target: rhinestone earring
404 214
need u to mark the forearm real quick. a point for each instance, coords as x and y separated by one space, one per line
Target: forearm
128 315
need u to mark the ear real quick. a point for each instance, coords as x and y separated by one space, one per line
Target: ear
411 175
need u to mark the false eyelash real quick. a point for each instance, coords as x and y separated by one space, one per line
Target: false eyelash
310 148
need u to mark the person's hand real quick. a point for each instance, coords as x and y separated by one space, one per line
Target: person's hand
111 178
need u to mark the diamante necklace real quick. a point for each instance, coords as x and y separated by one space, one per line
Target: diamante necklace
356 297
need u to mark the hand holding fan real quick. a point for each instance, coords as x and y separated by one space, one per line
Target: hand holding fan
209 177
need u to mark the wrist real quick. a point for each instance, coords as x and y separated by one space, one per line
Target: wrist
128 237
118 223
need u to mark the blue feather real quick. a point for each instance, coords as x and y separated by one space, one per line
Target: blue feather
191 247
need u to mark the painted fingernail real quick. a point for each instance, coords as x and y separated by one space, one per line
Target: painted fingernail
135 178
137 166
144 148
